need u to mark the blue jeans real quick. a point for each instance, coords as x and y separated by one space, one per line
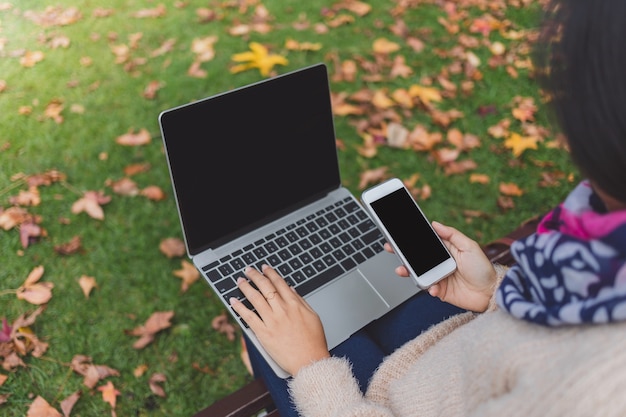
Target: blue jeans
366 348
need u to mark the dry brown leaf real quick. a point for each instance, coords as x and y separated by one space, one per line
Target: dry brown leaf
153 192
372 176
27 198
69 248
222 325
35 292
68 404
82 365
172 247
479 178
140 370
30 58
135 169
91 203
29 231
156 322
40 408
134 139
510 189
87 284
124 186
189 274
154 381
13 216
384 46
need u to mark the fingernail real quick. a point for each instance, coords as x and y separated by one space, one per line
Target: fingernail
240 280
233 300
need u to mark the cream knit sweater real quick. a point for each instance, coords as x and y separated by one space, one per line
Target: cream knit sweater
488 364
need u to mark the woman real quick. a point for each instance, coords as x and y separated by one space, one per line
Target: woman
545 338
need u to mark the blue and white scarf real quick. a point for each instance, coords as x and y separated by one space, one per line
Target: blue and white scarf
573 269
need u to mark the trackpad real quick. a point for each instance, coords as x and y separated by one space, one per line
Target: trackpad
345 306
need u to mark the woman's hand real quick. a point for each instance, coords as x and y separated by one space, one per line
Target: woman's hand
472 285
286 325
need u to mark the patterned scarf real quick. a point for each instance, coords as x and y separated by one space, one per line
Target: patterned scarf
573 269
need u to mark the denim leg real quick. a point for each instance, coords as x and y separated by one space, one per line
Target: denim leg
408 320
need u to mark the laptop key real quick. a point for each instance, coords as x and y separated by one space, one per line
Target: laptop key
319 280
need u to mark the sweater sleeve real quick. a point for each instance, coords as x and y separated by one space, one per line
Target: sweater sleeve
327 387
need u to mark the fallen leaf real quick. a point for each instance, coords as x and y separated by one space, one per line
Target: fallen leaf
83 365
91 203
87 284
156 322
109 393
258 57
224 326
140 370
172 247
41 408
372 176
69 248
425 94
35 292
68 404
510 189
154 381
384 46
135 139
479 178
189 274
518 143
153 193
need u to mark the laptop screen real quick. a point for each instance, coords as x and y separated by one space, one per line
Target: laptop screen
250 155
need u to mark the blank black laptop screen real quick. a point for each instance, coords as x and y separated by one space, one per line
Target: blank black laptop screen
252 154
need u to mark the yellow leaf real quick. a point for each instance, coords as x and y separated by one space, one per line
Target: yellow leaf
518 144
258 57
425 94
384 46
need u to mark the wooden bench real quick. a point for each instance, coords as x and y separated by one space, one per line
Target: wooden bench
253 398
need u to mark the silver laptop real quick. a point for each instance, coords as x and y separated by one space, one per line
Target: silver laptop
256 178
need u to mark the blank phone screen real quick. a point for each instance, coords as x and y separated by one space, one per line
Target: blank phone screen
410 231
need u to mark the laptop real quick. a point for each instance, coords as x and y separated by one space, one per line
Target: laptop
256 178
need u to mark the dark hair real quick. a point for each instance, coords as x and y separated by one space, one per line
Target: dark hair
581 65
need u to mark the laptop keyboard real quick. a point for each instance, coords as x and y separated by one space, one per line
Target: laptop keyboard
308 253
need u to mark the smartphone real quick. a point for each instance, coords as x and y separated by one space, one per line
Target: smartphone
409 232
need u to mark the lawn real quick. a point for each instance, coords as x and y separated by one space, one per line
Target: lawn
100 315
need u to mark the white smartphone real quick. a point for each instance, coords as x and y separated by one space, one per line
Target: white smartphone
409 232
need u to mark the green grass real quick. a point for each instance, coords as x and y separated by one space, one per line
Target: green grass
122 251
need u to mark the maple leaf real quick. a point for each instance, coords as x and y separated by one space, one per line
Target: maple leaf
91 203
109 393
189 274
82 365
35 292
40 408
519 143
13 216
258 57
27 198
156 322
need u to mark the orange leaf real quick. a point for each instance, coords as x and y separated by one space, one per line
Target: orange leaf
479 178
189 274
510 189
153 192
109 393
68 403
384 46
